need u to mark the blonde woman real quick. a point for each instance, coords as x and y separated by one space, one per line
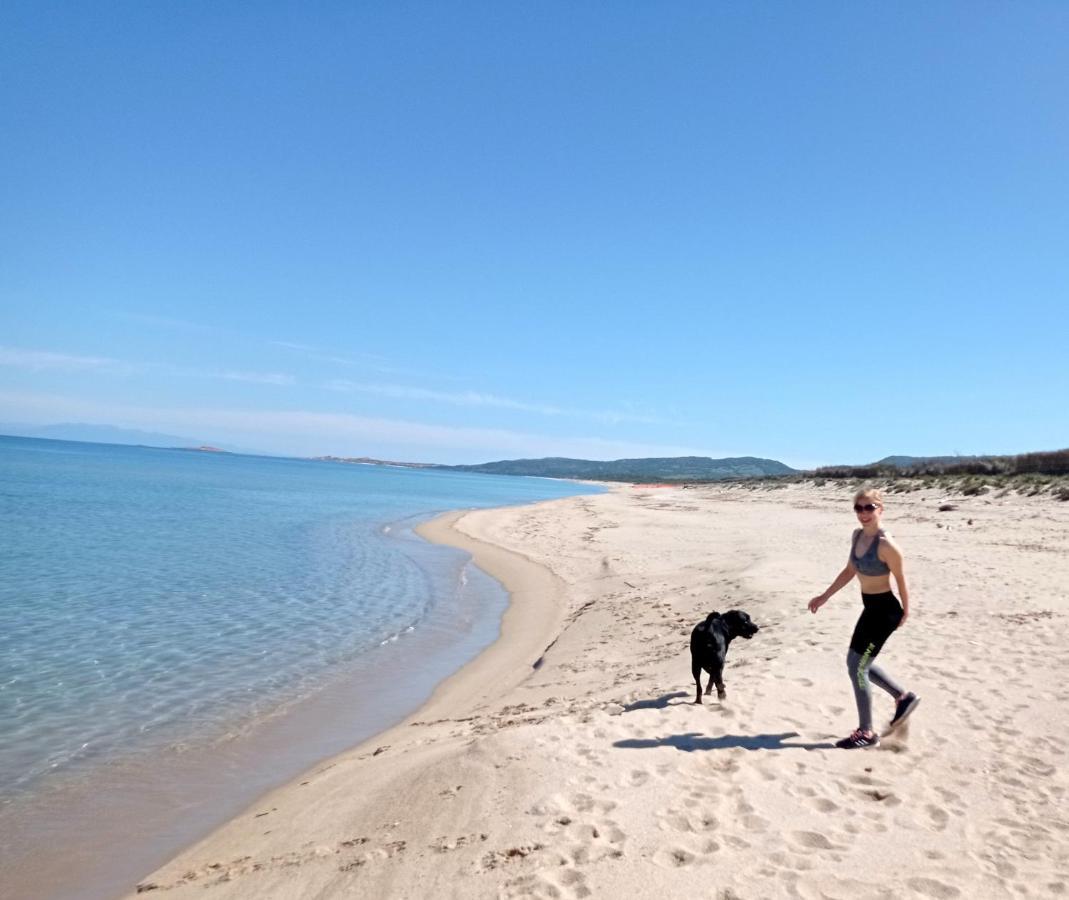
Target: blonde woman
874 558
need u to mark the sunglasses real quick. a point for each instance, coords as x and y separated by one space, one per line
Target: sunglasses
866 507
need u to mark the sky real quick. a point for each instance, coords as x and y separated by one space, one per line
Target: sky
458 232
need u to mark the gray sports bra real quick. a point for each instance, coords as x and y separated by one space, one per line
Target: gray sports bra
869 563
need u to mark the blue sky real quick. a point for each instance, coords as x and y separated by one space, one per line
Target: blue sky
458 232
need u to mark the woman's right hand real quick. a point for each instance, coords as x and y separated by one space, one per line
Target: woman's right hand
817 602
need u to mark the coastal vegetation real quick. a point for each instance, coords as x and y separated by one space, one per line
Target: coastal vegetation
1052 463
1027 474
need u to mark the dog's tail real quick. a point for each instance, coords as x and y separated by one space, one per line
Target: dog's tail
709 620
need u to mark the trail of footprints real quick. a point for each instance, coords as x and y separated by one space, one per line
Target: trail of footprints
582 832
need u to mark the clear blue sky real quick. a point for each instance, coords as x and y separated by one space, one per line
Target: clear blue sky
458 232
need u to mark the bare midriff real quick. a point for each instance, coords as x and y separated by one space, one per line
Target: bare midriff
874 584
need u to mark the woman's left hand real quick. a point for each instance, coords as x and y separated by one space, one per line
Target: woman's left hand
902 621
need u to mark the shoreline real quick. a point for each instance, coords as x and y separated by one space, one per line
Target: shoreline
533 616
594 773
213 764
532 589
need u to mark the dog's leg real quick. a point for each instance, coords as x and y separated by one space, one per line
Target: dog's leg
696 671
716 677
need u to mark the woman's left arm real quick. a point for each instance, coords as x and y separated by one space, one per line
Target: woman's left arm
888 551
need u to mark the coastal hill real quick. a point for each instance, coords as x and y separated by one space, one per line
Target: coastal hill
680 468
908 462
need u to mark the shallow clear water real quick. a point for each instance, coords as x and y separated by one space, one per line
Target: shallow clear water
159 598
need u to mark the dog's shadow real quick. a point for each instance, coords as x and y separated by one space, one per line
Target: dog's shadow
660 703
693 740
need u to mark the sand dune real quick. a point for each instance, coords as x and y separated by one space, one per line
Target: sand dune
569 760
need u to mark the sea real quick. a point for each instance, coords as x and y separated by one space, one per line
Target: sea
182 630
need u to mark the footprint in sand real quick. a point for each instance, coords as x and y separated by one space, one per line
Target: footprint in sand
566 883
445 844
637 778
812 840
790 861
674 858
736 842
937 816
881 795
589 842
929 887
948 796
755 823
583 802
674 820
701 822
1036 767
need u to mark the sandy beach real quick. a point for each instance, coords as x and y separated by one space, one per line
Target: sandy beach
569 759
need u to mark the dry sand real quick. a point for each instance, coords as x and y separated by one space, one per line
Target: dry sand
570 761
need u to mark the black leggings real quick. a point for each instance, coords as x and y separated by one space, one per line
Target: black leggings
879 619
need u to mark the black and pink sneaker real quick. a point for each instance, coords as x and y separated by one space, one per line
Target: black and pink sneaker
859 740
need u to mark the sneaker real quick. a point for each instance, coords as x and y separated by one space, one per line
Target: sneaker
859 740
905 706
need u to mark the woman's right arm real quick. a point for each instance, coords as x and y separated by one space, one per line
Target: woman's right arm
841 581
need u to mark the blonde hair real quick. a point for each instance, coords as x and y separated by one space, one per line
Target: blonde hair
868 493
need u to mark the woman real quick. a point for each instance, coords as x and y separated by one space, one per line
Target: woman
874 558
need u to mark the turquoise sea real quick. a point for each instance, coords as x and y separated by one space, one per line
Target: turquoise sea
208 611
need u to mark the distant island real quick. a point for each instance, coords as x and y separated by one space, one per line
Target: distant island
663 469
204 448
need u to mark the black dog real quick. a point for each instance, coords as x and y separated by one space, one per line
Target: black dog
709 647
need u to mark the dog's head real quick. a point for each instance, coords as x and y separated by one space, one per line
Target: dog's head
739 624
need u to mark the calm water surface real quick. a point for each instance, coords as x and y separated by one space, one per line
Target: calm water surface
159 603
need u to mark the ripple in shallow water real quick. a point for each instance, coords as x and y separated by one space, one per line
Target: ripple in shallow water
149 598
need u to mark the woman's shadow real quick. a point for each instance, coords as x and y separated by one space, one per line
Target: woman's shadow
693 740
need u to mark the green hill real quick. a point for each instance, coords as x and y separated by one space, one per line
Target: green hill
680 468
907 462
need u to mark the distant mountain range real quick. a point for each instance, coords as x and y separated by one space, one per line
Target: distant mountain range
108 434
